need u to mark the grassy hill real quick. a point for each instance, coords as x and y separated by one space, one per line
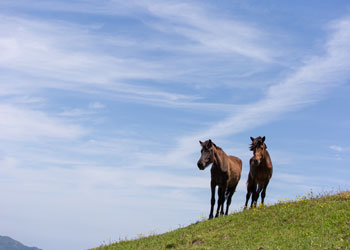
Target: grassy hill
306 223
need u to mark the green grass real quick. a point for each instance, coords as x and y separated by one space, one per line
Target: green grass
321 222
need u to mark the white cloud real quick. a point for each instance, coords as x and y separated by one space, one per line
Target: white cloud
93 108
46 54
96 105
22 124
338 148
76 112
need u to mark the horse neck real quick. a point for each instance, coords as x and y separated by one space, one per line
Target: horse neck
218 160
267 160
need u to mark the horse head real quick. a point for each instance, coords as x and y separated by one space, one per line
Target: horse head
258 147
207 154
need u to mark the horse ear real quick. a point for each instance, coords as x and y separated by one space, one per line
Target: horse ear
263 139
252 138
210 144
201 143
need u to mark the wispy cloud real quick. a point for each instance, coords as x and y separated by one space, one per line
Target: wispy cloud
93 108
46 55
308 84
25 124
45 61
210 32
96 105
338 148
205 31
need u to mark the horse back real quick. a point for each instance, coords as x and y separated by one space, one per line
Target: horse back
236 163
235 168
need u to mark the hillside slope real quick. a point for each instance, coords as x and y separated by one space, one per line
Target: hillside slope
307 223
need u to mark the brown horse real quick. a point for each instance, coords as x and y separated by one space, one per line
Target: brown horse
260 171
225 173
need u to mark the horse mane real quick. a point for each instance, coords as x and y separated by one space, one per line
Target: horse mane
252 146
217 147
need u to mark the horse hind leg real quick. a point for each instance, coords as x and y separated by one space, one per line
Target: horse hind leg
247 197
263 193
230 192
251 190
222 201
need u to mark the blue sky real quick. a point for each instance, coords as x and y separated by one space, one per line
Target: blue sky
103 103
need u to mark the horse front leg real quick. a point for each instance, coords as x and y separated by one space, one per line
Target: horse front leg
263 193
212 201
250 186
247 197
230 192
260 187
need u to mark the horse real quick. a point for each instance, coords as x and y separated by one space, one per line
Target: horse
225 173
260 171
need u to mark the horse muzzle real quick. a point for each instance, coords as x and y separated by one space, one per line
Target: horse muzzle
200 165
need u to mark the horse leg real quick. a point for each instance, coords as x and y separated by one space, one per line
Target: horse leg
247 199
254 198
213 186
223 191
219 201
230 191
263 193
260 187
249 191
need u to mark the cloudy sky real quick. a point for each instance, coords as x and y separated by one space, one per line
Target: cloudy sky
102 105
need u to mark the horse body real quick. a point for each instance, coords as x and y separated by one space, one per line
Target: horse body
260 171
225 173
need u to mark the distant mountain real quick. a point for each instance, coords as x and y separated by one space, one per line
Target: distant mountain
6 243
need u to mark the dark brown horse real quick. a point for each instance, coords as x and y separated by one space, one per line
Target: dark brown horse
225 173
260 171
